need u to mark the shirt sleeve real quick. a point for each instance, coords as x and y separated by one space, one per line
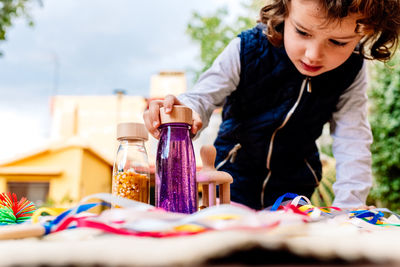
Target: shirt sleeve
214 85
352 138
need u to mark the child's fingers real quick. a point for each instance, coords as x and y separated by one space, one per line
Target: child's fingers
147 122
169 102
154 112
364 207
197 123
369 207
152 117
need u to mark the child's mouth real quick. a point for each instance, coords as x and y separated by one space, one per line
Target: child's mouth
310 68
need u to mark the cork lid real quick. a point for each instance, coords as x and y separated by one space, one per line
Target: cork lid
131 131
181 114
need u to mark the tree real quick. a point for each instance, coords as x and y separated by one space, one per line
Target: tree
215 31
10 10
385 123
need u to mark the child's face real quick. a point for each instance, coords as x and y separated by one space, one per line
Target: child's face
314 46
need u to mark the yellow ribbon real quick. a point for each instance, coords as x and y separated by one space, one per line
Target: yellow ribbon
50 211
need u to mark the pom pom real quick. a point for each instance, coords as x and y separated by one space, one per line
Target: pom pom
7 216
13 211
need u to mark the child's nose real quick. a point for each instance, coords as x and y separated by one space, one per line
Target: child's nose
314 53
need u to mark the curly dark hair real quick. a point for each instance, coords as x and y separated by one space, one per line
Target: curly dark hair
379 23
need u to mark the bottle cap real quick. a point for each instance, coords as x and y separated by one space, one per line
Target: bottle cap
180 114
131 131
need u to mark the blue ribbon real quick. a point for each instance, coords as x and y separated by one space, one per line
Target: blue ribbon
48 226
280 199
361 214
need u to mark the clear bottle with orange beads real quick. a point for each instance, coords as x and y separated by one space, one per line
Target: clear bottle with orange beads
131 172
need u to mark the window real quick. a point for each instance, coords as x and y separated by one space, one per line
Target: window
37 192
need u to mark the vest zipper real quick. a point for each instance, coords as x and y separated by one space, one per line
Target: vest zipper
231 156
312 171
306 82
309 84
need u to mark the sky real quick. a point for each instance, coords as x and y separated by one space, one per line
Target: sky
89 47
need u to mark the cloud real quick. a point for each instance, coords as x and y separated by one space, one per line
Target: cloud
91 47
19 133
94 46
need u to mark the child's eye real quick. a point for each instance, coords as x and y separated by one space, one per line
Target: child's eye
337 42
302 33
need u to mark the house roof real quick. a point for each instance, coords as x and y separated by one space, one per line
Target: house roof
31 171
56 146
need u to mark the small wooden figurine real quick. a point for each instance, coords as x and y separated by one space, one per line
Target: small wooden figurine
209 178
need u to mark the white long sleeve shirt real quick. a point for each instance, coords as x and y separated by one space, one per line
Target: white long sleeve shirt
349 124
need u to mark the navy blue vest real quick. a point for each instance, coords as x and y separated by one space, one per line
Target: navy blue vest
269 87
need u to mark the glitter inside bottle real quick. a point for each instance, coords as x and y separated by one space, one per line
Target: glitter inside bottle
176 188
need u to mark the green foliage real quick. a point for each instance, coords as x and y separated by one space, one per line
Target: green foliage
385 123
215 31
10 10
324 142
323 195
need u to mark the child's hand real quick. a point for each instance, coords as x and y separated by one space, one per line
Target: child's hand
364 207
152 115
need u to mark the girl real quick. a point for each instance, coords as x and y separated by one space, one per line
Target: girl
279 83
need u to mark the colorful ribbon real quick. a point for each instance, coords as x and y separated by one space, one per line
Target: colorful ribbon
302 205
375 216
140 219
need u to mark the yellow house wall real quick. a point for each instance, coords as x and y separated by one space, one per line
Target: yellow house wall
96 175
3 184
67 188
62 188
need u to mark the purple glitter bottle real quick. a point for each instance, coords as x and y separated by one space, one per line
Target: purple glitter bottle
176 188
